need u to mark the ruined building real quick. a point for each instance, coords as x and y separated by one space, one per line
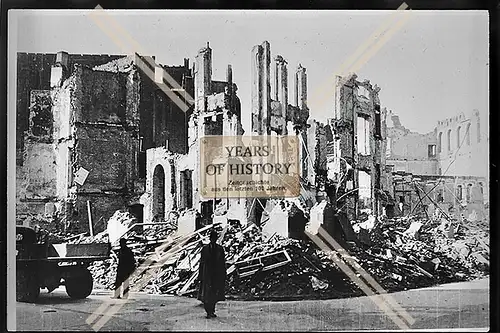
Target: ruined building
173 181
445 170
273 115
96 134
356 174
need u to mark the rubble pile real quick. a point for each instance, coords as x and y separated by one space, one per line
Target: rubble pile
257 266
407 253
401 253
142 243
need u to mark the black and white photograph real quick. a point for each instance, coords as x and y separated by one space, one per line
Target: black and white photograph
111 224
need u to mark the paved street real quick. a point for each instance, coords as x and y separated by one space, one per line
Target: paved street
459 305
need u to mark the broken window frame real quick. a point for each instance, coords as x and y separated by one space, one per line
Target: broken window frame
260 267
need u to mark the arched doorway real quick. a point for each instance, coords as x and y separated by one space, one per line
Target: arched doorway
158 193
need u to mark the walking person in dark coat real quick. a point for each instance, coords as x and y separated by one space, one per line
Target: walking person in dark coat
212 275
126 266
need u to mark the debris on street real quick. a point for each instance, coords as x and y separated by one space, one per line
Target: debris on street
403 253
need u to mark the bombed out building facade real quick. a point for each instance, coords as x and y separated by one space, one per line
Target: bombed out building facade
96 134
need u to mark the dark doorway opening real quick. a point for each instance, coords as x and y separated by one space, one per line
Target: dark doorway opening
158 194
138 211
206 213
186 190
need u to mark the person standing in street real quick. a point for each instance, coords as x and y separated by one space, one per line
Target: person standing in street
212 275
126 266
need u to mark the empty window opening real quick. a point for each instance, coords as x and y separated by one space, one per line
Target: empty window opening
141 164
388 148
431 150
186 193
377 176
159 193
468 192
378 122
467 134
365 192
478 132
459 139
363 136
481 189
459 193
440 142
213 125
362 91
449 140
439 196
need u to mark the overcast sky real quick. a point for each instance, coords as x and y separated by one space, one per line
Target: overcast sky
433 67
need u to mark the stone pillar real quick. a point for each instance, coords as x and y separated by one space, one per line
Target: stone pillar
295 96
261 86
282 84
276 78
266 85
301 79
202 77
229 80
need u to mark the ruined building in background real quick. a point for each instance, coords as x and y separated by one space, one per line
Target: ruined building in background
96 134
444 171
461 139
410 151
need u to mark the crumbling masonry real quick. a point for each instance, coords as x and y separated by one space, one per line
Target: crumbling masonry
96 134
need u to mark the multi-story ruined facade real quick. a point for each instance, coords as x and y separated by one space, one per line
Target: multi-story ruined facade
356 156
273 115
173 179
97 127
